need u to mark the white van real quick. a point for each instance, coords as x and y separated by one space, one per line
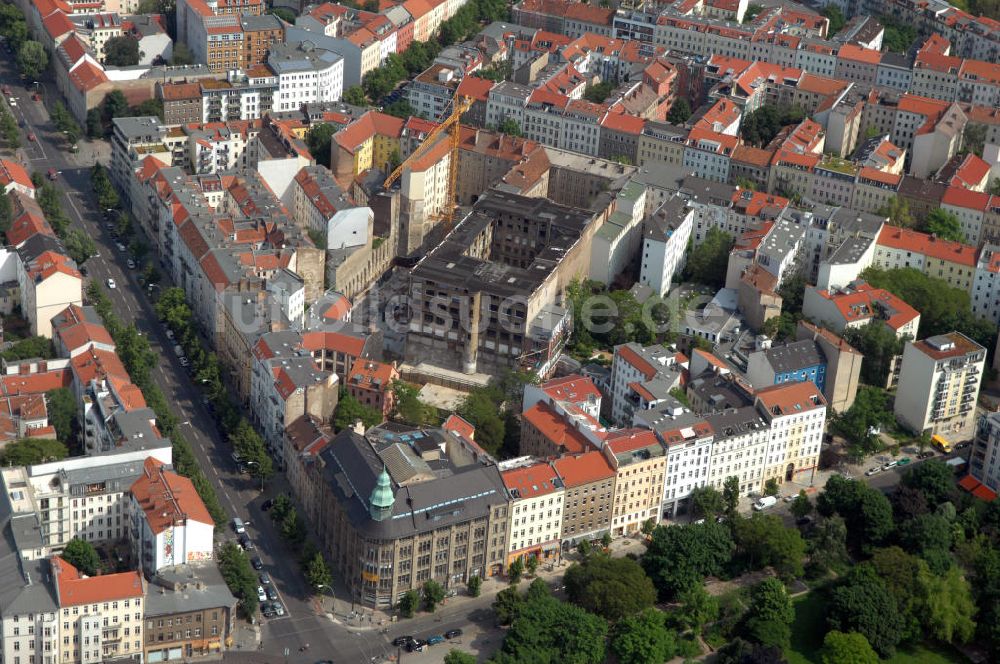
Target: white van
765 502
238 526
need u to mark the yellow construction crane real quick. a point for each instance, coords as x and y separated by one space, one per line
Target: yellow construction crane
450 124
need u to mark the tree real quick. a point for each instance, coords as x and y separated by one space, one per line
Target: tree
905 577
234 565
837 20
433 593
945 225
355 96
763 124
679 112
858 424
516 570
481 409
828 545
510 127
121 51
867 513
115 105
475 585
317 573
547 630
678 557
83 556
292 528
643 639
409 408
79 245
182 55
851 648
863 604
697 609
897 37
770 616
898 211
32 59
707 502
598 92
61 405
610 587
762 541
31 451
149 107
708 261
31 348
531 565
731 495
801 506
408 603
318 141
933 478
878 344
284 13
771 487
948 607
350 410
507 605
926 532
739 651
456 656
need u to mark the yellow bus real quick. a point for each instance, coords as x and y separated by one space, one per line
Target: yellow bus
940 444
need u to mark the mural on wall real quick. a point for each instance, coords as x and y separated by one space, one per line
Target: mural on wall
168 547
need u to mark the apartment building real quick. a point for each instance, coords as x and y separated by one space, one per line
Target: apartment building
641 378
588 482
189 613
740 447
260 33
952 262
796 415
371 384
687 438
536 509
665 237
101 616
306 74
983 464
169 524
364 513
939 383
639 460
986 291
857 305
561 416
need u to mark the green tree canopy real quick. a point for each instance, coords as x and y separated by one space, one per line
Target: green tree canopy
31 348
678 557
317 573
355 96
82 555
409 603
933 478
350 410
31 451
610 587
643 639
850 648
679 112
763 540
510 127
121 51
318 141
708 261
770 616
547 630
878 344
707 502
863 604
32 59
62 411
432 594
409 408
857 424
836 17
945 225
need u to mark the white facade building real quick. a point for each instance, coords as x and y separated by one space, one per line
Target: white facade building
306 75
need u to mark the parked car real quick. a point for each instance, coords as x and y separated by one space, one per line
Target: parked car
904 461
31 137
434 640
891 464
184 361
260 594
415 645
962 445
764 503
257 563
874 470
453 634
401 641
267 611
238 527
112 284
925 455
267 504
120 246
53 174
245 542
271 592
803 521
789 498
130 263
265 578
279 610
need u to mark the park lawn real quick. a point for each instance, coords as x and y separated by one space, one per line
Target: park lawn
809 628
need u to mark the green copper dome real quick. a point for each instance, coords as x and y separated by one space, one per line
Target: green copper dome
382 497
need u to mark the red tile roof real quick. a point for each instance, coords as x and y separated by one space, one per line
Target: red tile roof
573 388
928 245
791 398
959 196
531 481
586 468
556 429
167 499
475 88
456 424
631 440
75 589
13 172
637 361
859 54
971 172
